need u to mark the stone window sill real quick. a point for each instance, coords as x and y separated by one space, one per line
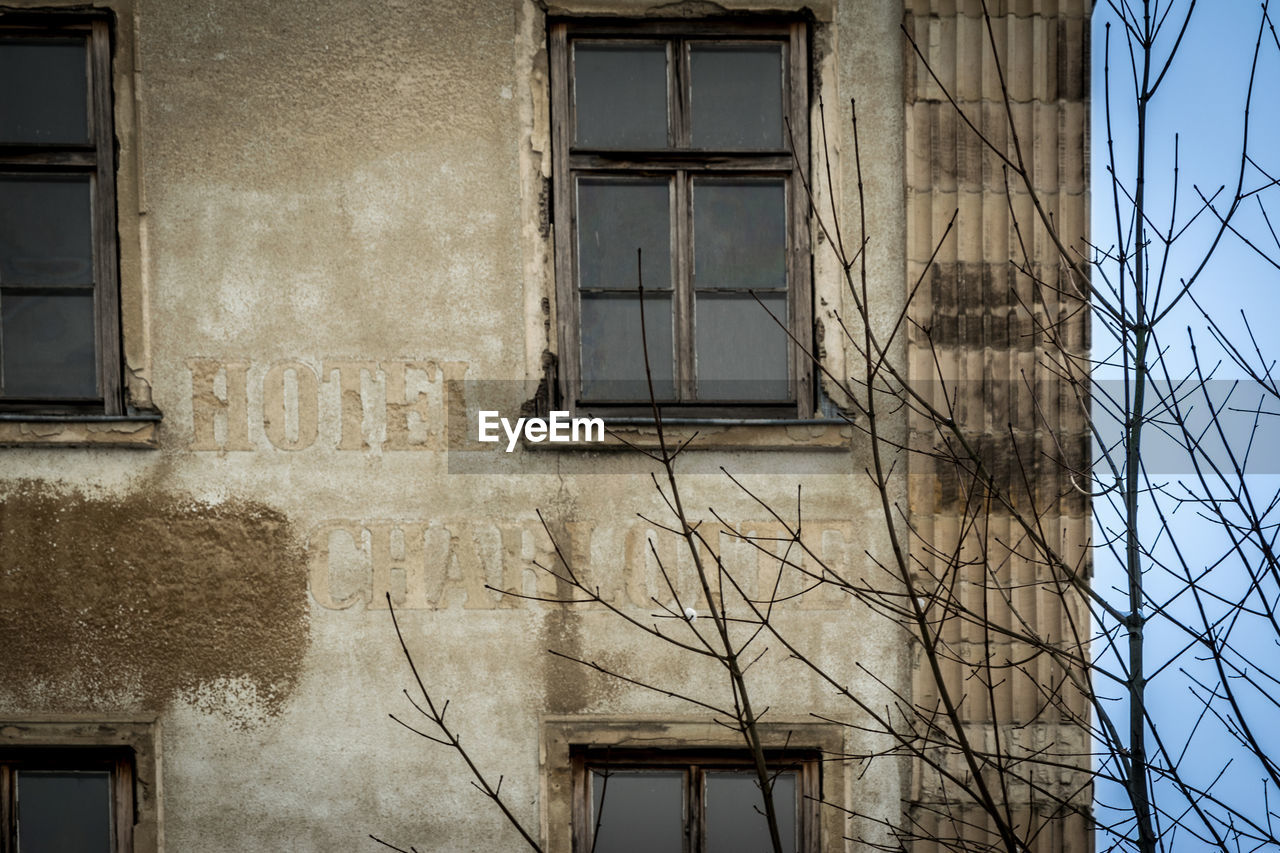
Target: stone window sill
139 430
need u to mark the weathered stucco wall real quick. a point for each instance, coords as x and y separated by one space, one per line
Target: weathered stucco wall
1000 309
340 207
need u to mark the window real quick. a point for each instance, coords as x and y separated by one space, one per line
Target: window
82 784
59 311
57 799
578 749
673 143
702 802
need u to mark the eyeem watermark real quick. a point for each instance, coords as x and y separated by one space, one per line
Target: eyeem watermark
559 428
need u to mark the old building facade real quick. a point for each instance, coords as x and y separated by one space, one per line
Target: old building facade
263 265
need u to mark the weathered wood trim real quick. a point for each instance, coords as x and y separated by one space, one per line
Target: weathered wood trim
800 260
680 164
105 256
565 226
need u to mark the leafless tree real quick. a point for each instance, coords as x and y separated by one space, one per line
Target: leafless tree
1045 660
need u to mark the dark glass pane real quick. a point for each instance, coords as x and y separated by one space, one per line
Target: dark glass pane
64 811
44 91
741 350
620 95
735 813
612 358
737 96
46 345
740 234
638 812
45 231
615 219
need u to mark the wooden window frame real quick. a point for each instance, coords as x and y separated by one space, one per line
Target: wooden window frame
695 764
118 761
97 160
682 164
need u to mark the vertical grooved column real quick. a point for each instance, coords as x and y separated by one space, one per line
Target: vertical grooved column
997 137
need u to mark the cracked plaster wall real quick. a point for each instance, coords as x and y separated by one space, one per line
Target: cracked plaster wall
339 207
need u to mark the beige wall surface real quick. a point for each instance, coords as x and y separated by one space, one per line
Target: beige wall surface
333 220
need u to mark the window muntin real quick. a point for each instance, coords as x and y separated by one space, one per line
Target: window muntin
59 312
695 801
63 799
675 138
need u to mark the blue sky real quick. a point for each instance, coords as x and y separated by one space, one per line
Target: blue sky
1202 101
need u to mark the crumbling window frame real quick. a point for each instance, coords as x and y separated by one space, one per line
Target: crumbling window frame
694 764
97 160
127 747
682 163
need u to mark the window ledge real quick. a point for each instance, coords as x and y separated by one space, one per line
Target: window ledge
821 434
139 430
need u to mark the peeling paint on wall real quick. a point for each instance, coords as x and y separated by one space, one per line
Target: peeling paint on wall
136 601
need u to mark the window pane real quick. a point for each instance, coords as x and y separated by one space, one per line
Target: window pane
45 231
64 811
740 234
741 350
46 344
44 91
637 812
620 95
612 358
615 219
735 813
737 96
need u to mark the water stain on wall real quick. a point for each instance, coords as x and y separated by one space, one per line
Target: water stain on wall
127 603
